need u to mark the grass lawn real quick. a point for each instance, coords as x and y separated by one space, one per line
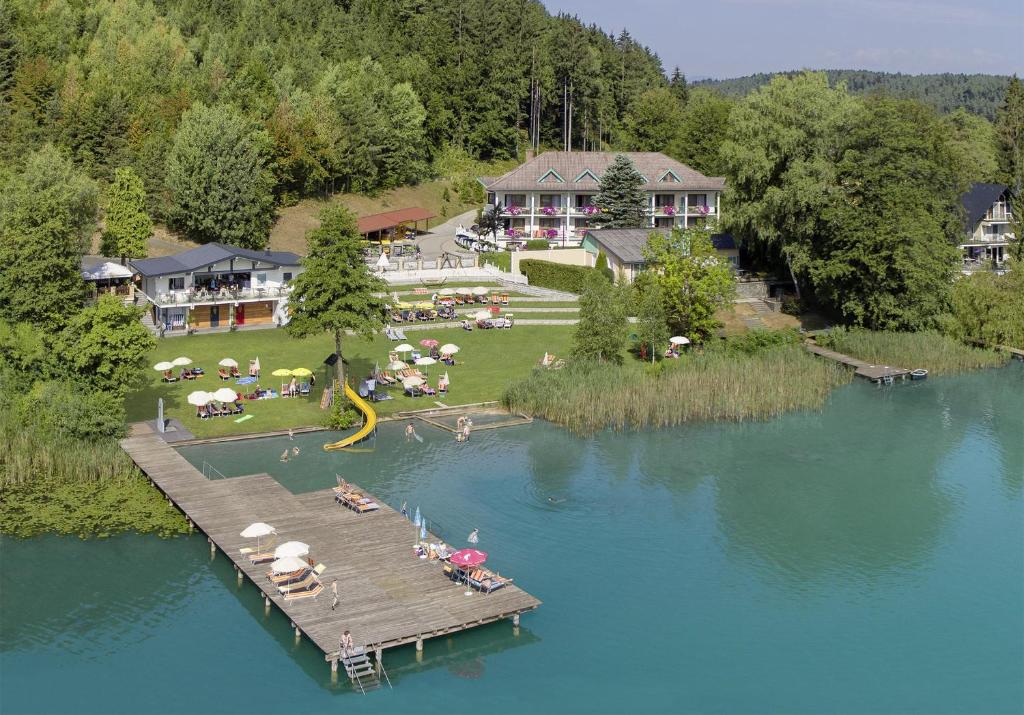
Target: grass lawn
487 362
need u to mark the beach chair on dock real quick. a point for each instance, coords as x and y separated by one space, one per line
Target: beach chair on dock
311 592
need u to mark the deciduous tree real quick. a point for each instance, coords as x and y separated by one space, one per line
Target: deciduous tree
652 325
221 188
1010 136
695 283
601 333
47 213
127 225
106 346
336 292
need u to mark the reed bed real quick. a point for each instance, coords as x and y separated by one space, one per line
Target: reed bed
28 454
716 385
933 351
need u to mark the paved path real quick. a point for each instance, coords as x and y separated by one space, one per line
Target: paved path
441 238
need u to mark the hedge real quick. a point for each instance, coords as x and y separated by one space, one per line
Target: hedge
499 259
537 244
554 275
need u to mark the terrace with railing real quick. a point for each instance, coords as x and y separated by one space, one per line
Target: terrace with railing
199 296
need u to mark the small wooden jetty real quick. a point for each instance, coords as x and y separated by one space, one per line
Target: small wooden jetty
387 596
875 373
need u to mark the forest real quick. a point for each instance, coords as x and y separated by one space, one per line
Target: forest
979 94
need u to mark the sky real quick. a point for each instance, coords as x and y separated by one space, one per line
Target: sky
731 38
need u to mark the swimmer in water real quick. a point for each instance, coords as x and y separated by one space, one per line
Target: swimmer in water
295 451
555 501
284 456
410 432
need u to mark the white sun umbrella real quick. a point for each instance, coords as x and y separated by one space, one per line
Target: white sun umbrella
404 348
291 548
288 564
200 398
257 531
679 340
164 366
448 349
397 365
482 315
480 290
463 291
412 381
181 361
225 394
446 291
425 360
228 362
382 262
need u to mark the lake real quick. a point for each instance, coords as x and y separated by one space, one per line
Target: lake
865 559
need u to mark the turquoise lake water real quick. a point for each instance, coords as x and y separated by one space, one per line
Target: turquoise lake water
866 559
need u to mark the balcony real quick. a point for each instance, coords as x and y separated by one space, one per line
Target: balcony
999 216
988 239
188 297
700 210
666 210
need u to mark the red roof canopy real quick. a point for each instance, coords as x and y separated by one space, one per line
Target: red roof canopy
390 219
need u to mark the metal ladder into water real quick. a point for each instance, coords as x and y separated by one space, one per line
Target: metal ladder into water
362 672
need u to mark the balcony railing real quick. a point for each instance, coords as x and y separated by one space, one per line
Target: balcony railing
999 216
700 210
193 296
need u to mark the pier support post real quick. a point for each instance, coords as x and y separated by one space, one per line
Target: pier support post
378 656
191 526
515 621
334 672
213 547
238 572
419 645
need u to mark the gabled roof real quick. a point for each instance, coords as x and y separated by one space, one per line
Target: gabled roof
195 259
627 244
390 219
652 165
978 200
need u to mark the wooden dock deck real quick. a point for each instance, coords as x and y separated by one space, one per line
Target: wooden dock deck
387 596
875 373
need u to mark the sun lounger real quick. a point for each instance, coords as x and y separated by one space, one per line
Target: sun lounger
312 592
401 334
486 581
302 585
257 557
280 579
223 374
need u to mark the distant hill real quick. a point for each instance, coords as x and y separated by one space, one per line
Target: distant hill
977 93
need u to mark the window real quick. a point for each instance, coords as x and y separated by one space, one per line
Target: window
663 200
697 200
669 177
518 223
550 200
176 283
551 176
515 200
587 175
286 277
550 223
261 279
584 200
664 222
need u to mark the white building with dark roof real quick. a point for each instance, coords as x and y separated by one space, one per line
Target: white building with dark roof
624 249
553 195
987 230
217 286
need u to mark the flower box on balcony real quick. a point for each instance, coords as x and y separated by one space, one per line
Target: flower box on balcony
668 210
549 210
551 233
590 210
513 210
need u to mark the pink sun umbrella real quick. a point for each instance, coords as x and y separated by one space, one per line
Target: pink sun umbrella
429 343
468 557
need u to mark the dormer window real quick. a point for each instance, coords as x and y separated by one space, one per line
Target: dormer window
551 177
587 175
669 177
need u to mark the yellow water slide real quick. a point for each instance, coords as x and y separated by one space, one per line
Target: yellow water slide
369 421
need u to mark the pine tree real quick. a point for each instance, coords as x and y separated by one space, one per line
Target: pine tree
621 197
1010 137
601 333
679 87
336 292
128 226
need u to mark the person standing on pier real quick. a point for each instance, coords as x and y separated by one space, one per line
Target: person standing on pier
347 645
334 594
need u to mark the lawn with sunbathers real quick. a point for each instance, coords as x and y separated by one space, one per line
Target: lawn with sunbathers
486 362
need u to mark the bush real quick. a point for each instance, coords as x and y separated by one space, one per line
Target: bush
759 341
928 349
341 416
791 305
537 244
556 276
601 264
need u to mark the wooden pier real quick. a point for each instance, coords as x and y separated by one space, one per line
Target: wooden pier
875 373
387 596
